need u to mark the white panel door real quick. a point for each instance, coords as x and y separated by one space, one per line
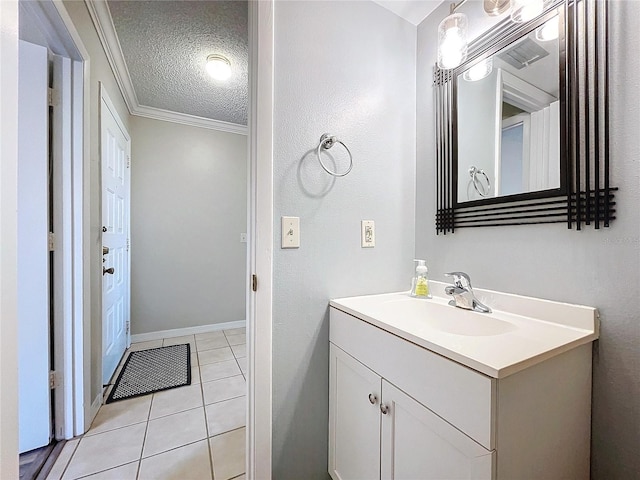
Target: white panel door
354 418
418 444
115 148
33 253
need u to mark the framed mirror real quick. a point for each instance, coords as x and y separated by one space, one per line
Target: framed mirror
522 126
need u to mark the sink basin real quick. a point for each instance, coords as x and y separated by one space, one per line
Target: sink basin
446 318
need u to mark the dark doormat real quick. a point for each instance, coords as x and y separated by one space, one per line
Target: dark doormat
153 370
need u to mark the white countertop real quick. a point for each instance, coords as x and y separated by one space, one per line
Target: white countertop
519 333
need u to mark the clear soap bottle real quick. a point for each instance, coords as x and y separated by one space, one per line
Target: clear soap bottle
420 284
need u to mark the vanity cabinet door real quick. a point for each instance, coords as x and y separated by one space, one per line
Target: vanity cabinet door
418 444
354 418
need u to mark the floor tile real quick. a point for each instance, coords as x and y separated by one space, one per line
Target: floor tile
242 363
239 350
237 339
63 459
195 375
190 462
106 450
194 358
176 430
240 477
176 400
120 414
208 335
216 371
227 415
224 389
235 331
145 345
228 454
124 472
180 340
213 356
211 343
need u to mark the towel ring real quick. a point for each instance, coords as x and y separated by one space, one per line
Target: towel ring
473 173
326 142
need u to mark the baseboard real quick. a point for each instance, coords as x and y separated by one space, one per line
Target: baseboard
95 406
180 332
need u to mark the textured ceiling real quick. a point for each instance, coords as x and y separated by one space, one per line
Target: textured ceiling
166 44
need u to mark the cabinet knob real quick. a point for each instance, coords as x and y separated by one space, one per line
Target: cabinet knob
373 399
384 408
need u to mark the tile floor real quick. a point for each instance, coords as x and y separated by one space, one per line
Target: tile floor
193 432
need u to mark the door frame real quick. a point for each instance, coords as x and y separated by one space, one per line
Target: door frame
104 97
260 228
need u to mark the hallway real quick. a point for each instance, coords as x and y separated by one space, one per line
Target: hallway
191 432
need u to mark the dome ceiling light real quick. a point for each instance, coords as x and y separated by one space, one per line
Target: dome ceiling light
219 67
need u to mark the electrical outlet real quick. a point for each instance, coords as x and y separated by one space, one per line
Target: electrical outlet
368 232
243 238
290 232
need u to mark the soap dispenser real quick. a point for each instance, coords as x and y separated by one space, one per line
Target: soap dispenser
420 286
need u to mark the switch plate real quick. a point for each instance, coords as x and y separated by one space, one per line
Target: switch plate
290 232
243 238
368 233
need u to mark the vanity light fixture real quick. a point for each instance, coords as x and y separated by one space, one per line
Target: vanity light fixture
479 71
452 39
219 67
525 10
548 31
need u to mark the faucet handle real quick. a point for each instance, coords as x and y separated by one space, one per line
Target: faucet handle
460 279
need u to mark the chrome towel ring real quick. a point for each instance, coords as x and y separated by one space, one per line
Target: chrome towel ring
326 142
482 190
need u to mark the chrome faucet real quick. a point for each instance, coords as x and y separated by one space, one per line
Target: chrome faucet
462 293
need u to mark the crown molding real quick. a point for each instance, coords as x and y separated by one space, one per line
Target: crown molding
101 17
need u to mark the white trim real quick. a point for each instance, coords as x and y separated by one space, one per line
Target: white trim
181 332
95 405
101 16
8 239
259 331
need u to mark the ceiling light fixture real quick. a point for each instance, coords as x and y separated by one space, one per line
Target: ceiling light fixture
525 10
548 31
219 67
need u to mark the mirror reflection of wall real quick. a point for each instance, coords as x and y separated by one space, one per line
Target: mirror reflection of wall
509 118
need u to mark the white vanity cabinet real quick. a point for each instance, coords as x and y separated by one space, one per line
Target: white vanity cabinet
399 411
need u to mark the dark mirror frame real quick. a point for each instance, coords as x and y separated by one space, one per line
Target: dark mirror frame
585 196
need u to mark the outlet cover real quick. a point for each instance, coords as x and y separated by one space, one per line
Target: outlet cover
368 233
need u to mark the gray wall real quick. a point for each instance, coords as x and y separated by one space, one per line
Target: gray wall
100 72
347 68
188 209
597 268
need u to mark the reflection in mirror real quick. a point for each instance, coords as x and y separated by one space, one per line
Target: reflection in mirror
508 119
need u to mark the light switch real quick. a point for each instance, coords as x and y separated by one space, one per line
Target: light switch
368 233
290 232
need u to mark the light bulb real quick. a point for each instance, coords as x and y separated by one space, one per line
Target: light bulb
218 67
525 10
479 71
452 41
548 31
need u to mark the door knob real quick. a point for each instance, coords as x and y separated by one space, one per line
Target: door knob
372 399
104 229
109 270
384 408
105 250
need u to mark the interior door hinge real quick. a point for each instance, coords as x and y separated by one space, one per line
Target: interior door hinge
52 97
53 379
254 282
128 326
52 241
127 244
128 161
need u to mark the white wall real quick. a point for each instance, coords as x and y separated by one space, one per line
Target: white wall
8 239
597 268
347 68
100 71
188 209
